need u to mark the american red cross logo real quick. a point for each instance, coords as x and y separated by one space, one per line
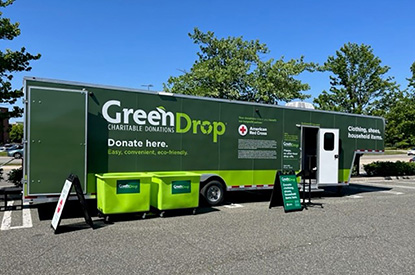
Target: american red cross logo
243 130
60 206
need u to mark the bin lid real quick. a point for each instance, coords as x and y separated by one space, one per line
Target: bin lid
175 174
125 175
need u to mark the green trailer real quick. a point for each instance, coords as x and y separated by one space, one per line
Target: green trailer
88 129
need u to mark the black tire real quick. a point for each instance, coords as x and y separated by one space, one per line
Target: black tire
213 193
339 191
17 155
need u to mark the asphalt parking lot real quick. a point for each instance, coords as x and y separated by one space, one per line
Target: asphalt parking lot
369 229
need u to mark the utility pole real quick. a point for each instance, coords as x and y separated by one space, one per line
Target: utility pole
148 86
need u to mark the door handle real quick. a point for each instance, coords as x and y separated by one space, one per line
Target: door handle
336 156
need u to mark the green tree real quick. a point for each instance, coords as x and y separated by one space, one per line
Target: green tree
16 133
358 83
233 68
11 62
400 127
411 85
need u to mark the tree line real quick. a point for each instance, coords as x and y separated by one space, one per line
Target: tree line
11 62
237 69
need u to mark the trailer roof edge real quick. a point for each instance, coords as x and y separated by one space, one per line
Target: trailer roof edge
75 83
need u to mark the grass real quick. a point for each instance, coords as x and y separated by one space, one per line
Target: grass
395 152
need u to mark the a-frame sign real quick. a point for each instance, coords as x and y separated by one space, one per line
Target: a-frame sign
72 180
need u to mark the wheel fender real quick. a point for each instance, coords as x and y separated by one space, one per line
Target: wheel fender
205 178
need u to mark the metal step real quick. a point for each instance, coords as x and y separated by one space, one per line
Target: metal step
314 186
312 189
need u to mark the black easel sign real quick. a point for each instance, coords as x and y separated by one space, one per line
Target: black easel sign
286 192
72 180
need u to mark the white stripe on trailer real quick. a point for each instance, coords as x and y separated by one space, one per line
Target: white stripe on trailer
53 198
249 187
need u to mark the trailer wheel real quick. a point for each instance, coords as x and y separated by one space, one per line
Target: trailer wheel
213 193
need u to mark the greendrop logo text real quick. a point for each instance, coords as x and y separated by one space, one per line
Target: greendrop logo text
128 186
181 187
181 122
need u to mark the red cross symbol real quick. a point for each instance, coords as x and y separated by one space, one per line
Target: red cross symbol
60 206
242 130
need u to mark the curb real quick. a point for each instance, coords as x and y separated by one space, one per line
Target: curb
10 167
365 179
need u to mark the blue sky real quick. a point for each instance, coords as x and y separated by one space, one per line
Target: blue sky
130 43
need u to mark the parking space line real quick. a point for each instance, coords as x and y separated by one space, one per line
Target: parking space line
233 205
404 187
355 196
393 192
7 219
379 192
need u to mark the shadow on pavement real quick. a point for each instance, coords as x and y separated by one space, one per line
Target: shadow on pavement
247 196
353 189
66 228
265 195
72 210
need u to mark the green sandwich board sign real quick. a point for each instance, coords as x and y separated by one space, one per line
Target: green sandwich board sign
290 194
286 192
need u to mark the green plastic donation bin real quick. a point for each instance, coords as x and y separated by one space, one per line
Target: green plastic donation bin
175 190
119 193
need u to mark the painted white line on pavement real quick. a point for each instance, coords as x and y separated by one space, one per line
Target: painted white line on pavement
355 197
393 192
27 218
233 205
391 185
403 186
7 219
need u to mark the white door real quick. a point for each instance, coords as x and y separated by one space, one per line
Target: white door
327 156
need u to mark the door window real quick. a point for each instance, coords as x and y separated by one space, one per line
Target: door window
328 141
